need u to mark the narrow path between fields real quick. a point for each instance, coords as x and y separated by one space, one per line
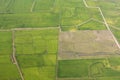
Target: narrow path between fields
107 26
14 57
33 5
18 29
115 27
84 22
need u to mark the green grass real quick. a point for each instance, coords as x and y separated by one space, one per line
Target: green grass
114 61
5 43
36 60
35 73
111 10
36 42
84 68
92 3
7 68
68 28
5 59
74 68
73 14
3 5
29 20
36 53
9 72
36 67
28 61
21 6
36 50
49 60
116 33
47 13
92 25
44 5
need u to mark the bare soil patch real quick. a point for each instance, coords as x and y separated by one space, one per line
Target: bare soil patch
73 45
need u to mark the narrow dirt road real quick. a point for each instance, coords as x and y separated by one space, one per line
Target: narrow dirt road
14 57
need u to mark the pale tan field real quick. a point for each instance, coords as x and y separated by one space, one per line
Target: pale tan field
74 45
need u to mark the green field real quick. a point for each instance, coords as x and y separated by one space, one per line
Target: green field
6 43
59 40
102 69
7 68
36 53
111 11
48 13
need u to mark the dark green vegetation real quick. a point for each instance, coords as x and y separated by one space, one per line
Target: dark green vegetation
101 69
36 53
48 13
7 68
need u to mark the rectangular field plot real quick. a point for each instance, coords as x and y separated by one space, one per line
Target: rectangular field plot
88 68
5 43
69 28
75 45
29 20
38 66
109 78
43 5
92 25
15 6
8 71
21 6
36 53
48 13
3 5
37 73
7 68
5 59
36 41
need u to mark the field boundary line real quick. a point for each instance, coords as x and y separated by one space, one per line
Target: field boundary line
107 26
5 30
115 27
97 20
17 29
14 57
76 78
54 4
33 5
57 55
91 19
83 22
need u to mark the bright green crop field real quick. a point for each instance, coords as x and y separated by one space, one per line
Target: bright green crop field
7 68
48 13
111 11
102 69
30 38
36 53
